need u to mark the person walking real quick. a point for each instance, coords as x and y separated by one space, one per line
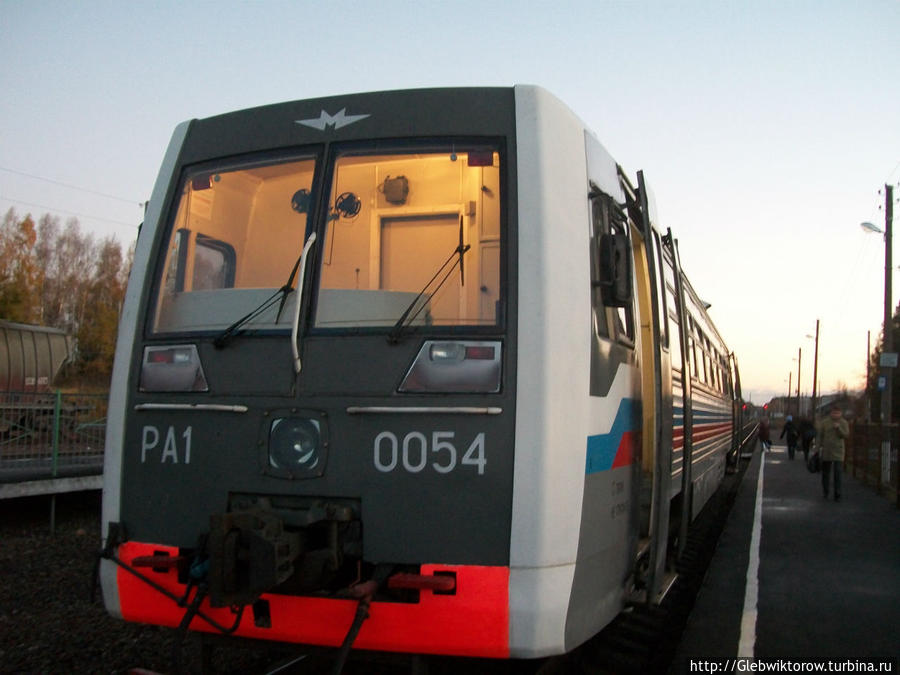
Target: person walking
807 434
793 434
764 439
830 435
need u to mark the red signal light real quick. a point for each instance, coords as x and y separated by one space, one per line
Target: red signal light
481 158
480 353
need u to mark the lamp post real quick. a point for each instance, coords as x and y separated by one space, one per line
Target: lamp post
799 360
888 344
888 356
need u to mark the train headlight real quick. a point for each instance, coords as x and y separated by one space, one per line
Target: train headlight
296 447
455 366
172 368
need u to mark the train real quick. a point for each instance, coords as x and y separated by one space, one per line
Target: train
31 357
411 371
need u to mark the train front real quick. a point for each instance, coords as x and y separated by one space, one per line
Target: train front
313 401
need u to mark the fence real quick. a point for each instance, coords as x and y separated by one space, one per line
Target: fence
51 435
873 461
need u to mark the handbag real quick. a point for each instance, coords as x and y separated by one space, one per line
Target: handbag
814 463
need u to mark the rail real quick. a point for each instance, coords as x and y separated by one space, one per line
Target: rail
45 436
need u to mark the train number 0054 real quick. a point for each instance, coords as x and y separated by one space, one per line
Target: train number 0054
416 451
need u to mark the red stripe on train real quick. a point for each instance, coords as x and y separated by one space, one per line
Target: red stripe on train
473 622
629 448
701 432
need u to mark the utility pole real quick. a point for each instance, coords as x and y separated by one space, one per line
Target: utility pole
868 376
787 405
815 371
888 333
799 356
888 357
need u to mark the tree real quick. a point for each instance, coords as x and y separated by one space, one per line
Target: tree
58 276
18 269
103 296
872 392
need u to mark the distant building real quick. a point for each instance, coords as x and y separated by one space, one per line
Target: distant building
783 406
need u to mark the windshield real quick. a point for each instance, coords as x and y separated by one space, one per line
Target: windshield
236 237
395 222
402 230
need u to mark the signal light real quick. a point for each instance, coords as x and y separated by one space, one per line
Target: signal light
480 352
481 158
175 355
172 368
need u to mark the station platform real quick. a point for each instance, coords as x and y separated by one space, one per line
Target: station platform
796 576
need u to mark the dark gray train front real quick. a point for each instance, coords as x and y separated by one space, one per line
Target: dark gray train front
313 379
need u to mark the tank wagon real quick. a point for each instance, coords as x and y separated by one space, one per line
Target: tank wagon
31 356
413 370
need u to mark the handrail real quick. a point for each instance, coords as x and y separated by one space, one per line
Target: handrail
295 347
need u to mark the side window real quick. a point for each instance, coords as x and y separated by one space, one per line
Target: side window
707 366
661 293
214 264
692 348
675 344
598 310
608 218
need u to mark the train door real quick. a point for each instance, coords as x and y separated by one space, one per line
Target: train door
689 365
426 239
656 393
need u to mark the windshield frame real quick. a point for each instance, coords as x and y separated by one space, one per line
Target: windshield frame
400 147
313 153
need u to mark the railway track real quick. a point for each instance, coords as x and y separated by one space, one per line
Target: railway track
50 599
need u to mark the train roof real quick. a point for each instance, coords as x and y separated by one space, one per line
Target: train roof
31 327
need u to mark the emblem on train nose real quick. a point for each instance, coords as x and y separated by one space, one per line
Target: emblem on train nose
338 120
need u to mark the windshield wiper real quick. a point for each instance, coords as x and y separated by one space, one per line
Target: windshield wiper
408 315
225 336
281 294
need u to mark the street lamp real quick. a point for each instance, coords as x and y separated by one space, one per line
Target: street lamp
870 228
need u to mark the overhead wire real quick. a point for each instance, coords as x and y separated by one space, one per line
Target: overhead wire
70 186
71 213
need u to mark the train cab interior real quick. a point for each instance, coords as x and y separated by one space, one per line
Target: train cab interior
417 231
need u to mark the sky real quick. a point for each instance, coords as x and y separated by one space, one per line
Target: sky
767 130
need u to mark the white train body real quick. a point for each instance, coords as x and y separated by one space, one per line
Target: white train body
548 485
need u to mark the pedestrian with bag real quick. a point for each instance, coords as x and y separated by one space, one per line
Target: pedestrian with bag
830 435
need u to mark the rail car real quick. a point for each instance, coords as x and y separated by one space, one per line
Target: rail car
31 356
412 370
